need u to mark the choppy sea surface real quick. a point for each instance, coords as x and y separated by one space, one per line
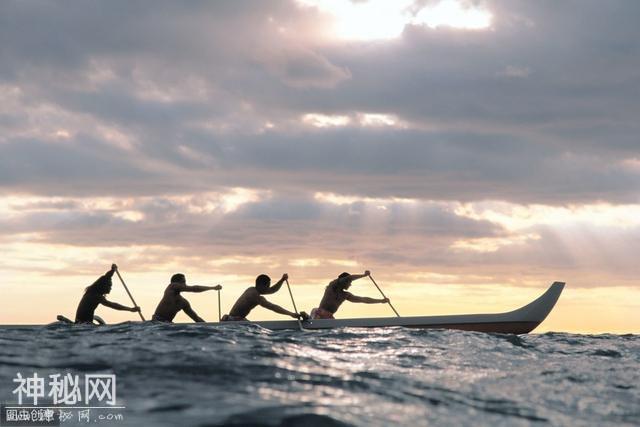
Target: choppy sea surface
197 375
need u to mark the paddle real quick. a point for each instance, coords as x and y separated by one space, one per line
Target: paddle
384 296
219 315
129 293
294 305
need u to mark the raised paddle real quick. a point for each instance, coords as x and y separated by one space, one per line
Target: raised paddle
129 293
294 305
384 296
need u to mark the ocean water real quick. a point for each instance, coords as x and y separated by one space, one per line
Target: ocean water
194 375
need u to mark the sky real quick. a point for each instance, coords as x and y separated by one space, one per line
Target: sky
468 153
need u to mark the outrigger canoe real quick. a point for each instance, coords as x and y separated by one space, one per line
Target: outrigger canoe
520 321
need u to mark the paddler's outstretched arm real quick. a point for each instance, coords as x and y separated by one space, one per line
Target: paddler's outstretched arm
192 314
365 300
353 277
274 307
117 306
180 287
275 288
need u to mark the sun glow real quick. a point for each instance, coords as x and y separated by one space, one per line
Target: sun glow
375 120
323 120
339 199
383 19
454 14
492 244
518 217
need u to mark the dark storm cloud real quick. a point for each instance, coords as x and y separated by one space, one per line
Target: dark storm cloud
541 108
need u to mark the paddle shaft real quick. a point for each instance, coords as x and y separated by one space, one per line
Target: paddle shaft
219 310
384 296
129 293
294 304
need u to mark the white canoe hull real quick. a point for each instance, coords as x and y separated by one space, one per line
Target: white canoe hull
520 321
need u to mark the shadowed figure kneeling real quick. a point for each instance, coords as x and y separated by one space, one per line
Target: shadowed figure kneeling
253 297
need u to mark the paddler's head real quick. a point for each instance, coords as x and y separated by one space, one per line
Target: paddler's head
346 282
179 278
262 283
102 286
